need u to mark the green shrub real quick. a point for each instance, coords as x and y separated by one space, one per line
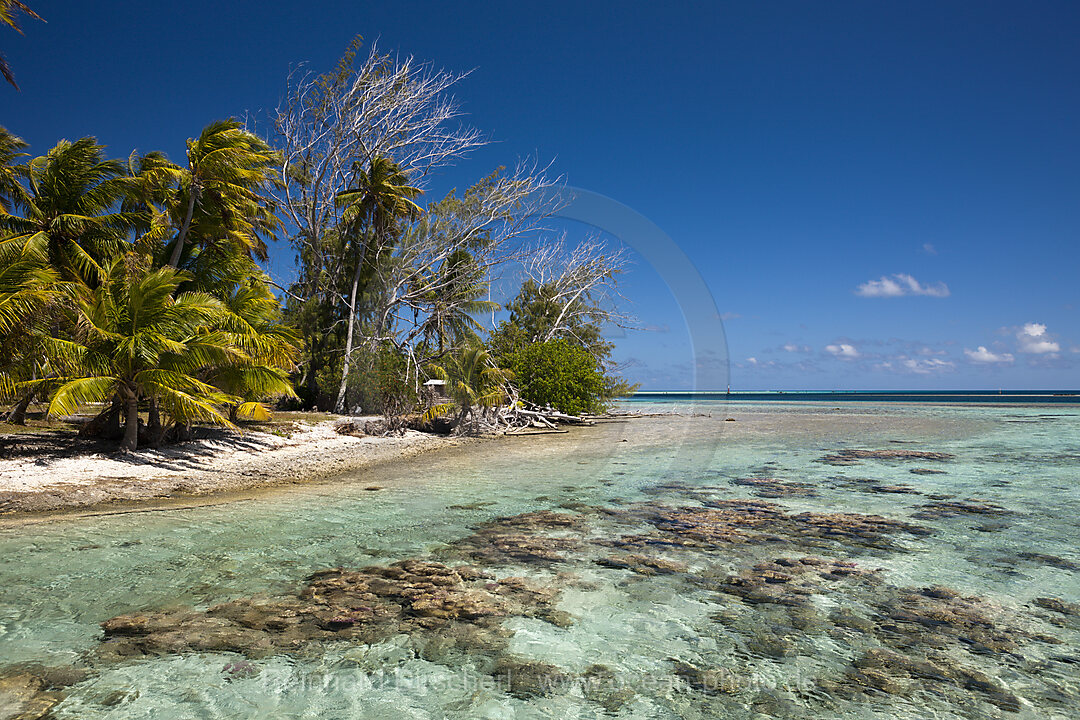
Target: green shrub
561 375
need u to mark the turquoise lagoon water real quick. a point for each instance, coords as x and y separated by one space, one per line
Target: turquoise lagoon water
1016 471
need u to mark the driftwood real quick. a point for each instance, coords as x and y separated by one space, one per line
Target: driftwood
552 415
530 430
514 417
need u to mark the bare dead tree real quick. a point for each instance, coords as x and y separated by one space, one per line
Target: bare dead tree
332 126
581 282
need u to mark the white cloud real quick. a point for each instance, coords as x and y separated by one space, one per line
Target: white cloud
927 367
929 249
899 285
1034 340
982 355
792 347
843 350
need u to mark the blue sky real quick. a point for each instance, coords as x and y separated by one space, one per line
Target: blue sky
879 195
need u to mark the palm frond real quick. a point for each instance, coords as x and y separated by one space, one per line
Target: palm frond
254 411
73 394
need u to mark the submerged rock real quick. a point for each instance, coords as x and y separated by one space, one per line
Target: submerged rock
991 526
898 489
925 636
889 671
24 697
642 564
772 488
853 456
539 520
527 679
365 605
847 618
949 509
731 522
857 529
1058 605
791 581
769 643
452 644
516 539
498 547
601 686
1051 560
708 680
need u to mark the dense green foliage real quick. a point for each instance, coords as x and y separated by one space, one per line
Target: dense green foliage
560 375
557 352
134 285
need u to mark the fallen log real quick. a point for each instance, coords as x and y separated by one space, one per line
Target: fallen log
523 431
550 416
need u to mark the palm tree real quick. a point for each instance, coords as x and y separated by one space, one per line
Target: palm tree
68 206
220 192
9 11
252 324
381 199
11 147
454 295
135 338
30 291
472 380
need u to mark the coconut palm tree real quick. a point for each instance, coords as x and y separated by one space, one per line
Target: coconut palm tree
220 191
373 210
67 205
252 323
454 294
29 293
11 147
9 12
134 338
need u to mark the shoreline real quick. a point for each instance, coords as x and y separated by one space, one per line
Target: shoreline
39 486
34 487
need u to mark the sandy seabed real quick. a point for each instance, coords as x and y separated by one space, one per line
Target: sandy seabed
230 462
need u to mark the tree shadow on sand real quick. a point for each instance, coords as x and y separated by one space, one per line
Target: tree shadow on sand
49 446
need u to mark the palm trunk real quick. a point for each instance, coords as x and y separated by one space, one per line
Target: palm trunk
184 228
339 406
17 416
112 426
106 424
182 432
130 443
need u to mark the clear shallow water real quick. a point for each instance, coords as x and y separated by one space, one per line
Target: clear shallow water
59 580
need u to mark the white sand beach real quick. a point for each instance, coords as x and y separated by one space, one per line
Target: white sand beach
31 482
